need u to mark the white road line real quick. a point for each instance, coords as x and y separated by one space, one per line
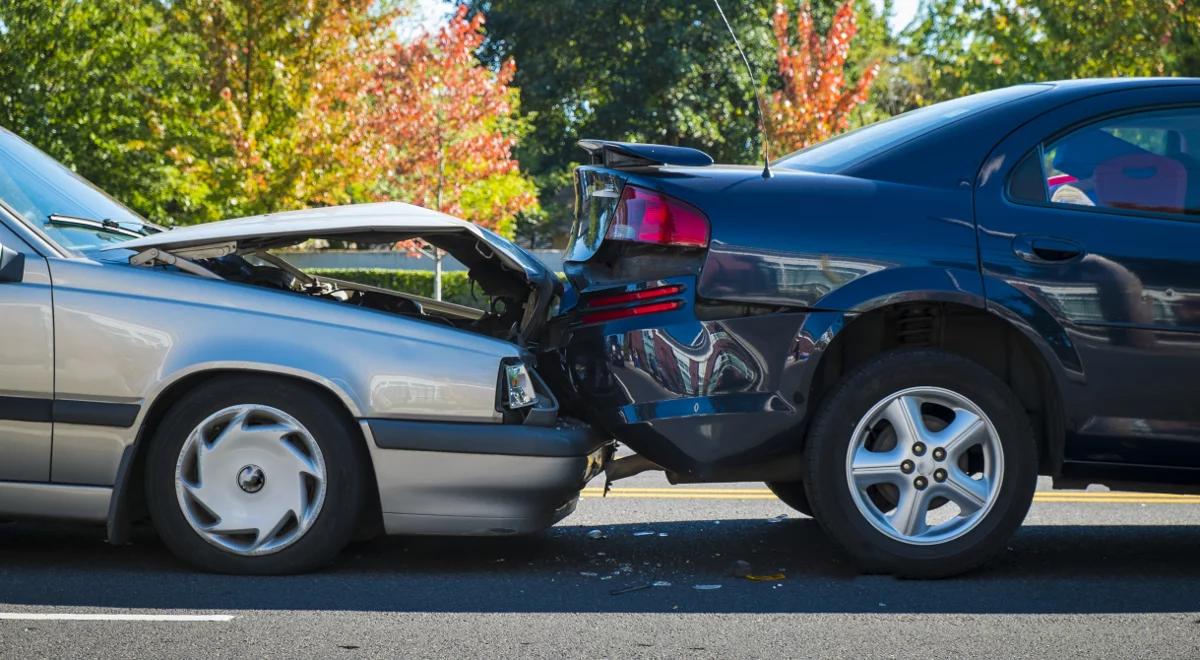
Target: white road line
80 616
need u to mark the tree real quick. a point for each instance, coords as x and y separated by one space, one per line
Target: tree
447 125
284 106
816 100
640 70
976 45
102 87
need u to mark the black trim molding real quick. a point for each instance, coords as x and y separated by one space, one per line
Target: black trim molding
68 411
566 439
23 409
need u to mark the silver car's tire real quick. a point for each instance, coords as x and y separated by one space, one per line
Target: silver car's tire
254 474
921 464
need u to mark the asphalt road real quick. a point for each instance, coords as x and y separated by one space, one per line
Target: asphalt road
1089 575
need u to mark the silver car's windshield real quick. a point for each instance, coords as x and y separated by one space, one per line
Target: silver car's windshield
73 212
847 149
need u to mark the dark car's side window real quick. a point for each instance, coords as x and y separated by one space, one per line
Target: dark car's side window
1145 162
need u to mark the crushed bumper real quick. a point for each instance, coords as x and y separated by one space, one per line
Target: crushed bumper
481 479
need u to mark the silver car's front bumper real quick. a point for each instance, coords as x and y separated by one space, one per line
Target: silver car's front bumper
480 479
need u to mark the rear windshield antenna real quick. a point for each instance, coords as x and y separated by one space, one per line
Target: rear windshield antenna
762 124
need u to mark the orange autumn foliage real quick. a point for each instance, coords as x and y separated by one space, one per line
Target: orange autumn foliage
446 127
816 100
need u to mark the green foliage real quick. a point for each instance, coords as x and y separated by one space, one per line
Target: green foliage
197 110
103 87
456 286
660 71
975 45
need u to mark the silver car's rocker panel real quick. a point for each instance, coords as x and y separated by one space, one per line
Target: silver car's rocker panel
63 502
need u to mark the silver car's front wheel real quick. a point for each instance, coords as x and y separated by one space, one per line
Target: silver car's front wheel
925 465
250 479
258 474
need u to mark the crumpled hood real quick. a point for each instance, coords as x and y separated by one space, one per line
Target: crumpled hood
356 222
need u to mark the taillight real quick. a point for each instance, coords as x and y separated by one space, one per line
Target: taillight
641 307
646 216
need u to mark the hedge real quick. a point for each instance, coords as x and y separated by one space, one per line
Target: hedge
456 286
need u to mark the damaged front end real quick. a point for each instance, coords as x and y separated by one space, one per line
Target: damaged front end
520 291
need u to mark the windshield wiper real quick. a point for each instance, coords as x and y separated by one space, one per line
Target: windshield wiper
106 225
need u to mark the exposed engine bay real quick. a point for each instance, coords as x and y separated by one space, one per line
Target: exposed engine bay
515 293
501 319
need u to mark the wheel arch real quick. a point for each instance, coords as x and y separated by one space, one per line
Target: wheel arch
965 327
127 503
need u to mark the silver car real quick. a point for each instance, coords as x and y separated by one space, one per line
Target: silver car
260 416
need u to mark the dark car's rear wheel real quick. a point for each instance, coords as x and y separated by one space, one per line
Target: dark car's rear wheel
921 464
255 475
792 494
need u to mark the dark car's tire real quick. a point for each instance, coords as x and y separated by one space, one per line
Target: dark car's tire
792 494
283 494
916 470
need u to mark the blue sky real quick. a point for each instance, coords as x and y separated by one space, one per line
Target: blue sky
431 12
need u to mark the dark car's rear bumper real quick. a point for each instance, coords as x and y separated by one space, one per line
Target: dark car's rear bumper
481 479
706 399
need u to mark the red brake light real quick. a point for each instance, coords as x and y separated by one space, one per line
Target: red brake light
646 216
629 312
634 296
640 307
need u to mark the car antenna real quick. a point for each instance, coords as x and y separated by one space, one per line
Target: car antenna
762 124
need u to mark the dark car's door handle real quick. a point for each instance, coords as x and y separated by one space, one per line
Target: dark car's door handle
1046 249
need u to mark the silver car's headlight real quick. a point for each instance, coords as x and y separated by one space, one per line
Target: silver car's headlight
518 386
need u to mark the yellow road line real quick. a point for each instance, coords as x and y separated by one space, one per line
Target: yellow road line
1072 497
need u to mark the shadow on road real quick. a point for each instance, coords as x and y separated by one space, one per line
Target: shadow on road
1047 569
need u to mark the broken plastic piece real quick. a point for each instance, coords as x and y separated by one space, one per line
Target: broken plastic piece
767 578
643 533
662 583
779 518
706 587
596 534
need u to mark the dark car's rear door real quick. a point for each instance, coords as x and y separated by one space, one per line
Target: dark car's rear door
1092 213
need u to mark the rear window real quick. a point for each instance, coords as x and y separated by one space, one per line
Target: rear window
849 148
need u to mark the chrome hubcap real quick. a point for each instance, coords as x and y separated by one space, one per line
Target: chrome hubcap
250 480
925 465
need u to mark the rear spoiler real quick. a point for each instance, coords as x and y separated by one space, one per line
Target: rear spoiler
630 154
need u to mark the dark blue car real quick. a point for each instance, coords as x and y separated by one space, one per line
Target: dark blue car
899 329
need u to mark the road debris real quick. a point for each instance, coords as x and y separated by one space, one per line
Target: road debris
778 519
662 583
775 577
632 587
706 587
596 534
588 574
643 533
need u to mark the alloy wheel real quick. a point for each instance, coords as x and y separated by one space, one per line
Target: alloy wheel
925 465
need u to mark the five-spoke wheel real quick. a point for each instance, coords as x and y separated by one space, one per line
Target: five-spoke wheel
924 465
920 463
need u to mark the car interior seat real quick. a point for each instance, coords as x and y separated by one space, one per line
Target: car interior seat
1142 181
